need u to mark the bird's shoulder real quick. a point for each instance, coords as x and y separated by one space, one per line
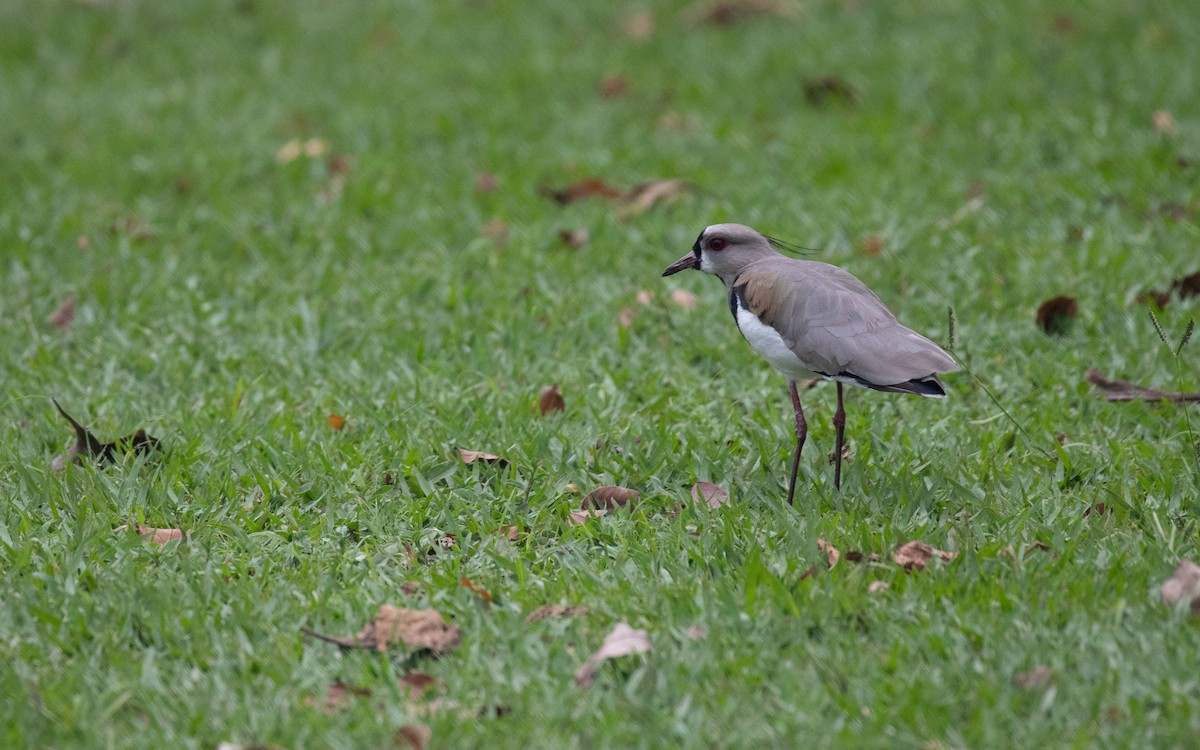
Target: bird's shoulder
786 291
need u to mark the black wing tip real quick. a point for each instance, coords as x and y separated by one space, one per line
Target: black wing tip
928 386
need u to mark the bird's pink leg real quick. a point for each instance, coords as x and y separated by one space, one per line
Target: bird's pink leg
839 424
801 434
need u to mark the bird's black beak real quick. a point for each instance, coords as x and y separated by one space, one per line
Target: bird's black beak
691 260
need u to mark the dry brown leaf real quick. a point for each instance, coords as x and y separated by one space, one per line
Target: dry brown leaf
337 697
415 629
410 587
547 611
340 164
550 400
642 198
573 238
1183 586
712 495
612 86
609 497
470 457
697 632
855 556
1164 122
588 187
88 445
683 298
484 594
1038 678
728 12
915 555
644 297
1123 390
831 553
580 517
1100 509
63 315
871 245
625 319
485 182
159 536
513 533
811 569
824 89
876 587
415 684
1054 316
622 641
1187 286
638 25
412 736
496 230
337 421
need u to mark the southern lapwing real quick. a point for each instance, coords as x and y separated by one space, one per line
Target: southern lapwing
813 319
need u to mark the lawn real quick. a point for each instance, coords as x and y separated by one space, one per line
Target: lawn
270 213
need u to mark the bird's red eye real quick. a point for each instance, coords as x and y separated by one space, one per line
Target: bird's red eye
716 244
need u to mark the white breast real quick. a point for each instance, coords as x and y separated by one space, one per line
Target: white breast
767 342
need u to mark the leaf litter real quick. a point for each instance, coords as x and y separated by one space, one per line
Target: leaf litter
1183 586
88 445
414 629
548 611
915 555
550 400
609 497
1123 390
712 495
470 457
1055 315
623 640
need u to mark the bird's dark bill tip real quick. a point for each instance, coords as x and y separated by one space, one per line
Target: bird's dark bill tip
688 261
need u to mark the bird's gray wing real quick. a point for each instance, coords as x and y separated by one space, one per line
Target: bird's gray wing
835 324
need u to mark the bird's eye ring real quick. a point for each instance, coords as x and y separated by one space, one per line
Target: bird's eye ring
716 244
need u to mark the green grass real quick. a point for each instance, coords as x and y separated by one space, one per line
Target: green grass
228 307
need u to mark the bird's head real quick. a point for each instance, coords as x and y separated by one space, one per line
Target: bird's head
724 250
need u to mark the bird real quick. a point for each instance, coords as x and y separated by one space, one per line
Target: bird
815 320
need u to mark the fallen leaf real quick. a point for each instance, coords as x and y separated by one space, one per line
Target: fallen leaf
638 25
1038 678
714 496
513 533
444 542
609 497
1164 122
573 238
811 569
415 629
1055 315
729 12
340 164
1187 286
845 454
550 400
413 736
625 319
337 697
684 299
831 553
1123 390
289 151
159 536
1183 586
1099 509
580 517
485 182
855 556
588 187
496 230
484 594
622 641
1062 24
547 611
612 86
1157 296
876 587
697 632
63 314
470 457
337 421
916 554
820 91
89 446
871 245
642 198
410 587
416 684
